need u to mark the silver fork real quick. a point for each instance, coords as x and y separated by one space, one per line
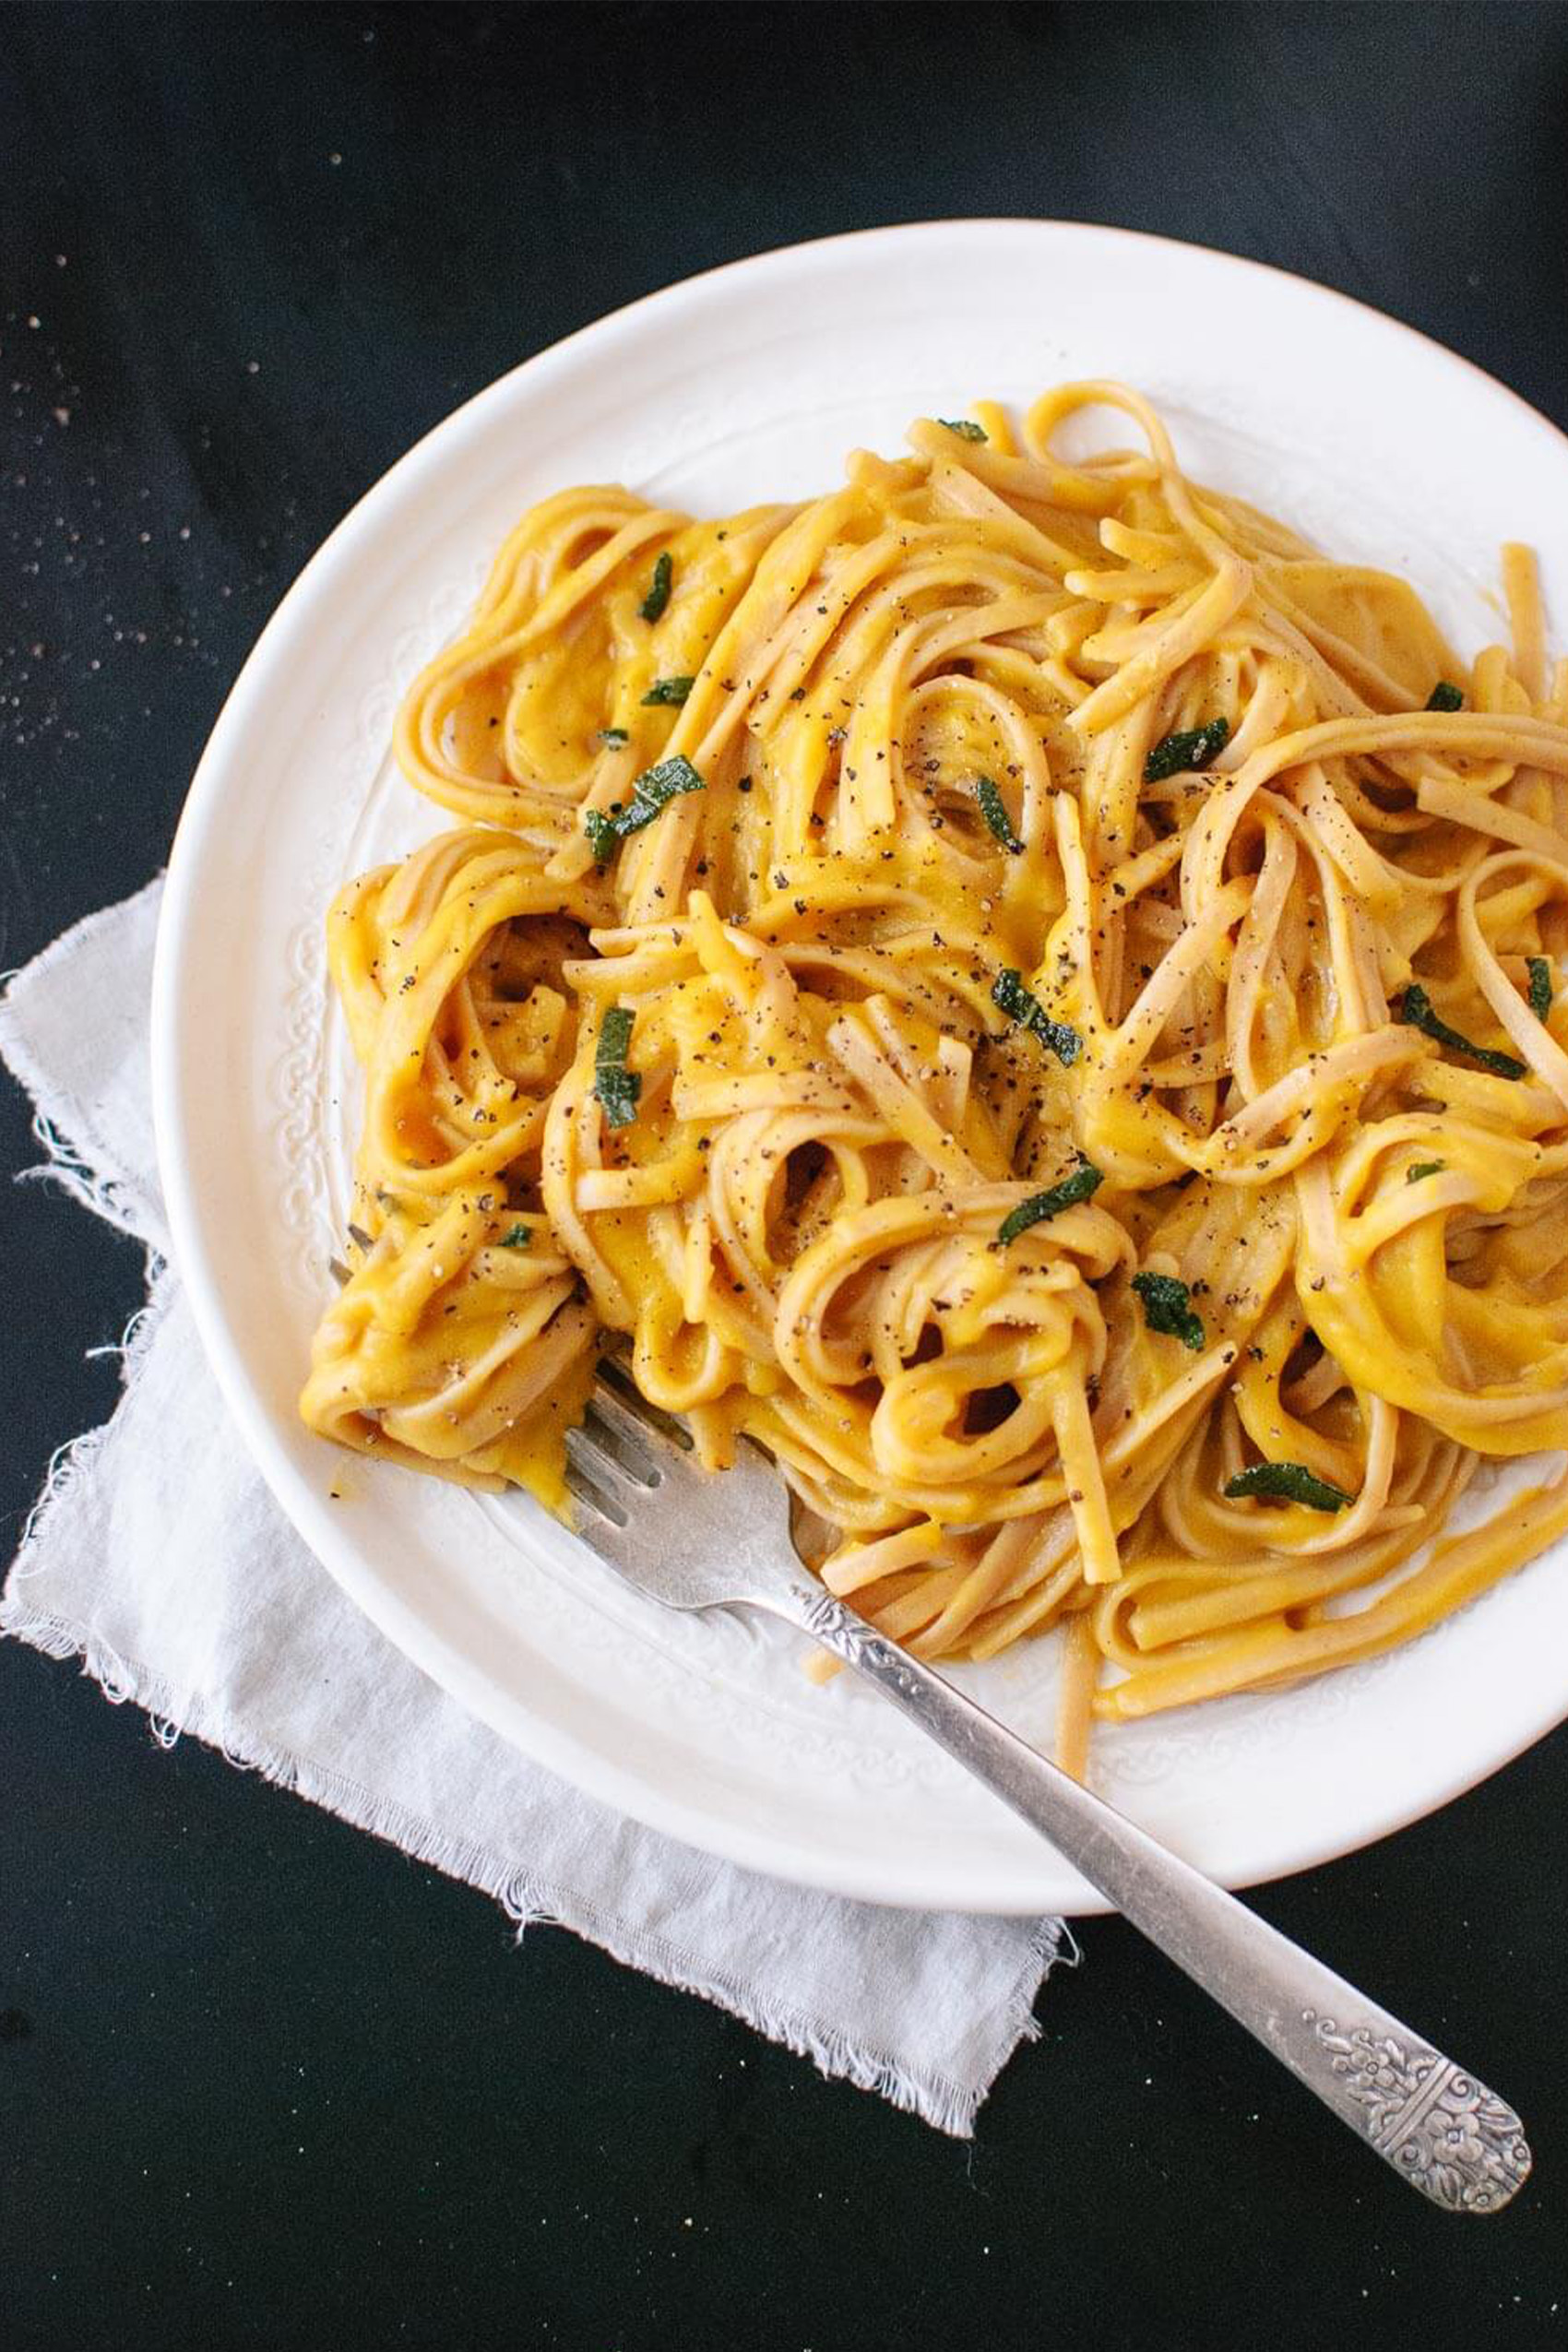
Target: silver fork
695 1541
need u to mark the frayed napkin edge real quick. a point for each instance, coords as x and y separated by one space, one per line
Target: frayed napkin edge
94 1176
526 1901
92 1173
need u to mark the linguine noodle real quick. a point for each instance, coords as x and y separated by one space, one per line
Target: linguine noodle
1026 990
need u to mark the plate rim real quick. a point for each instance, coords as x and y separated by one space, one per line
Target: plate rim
558 1750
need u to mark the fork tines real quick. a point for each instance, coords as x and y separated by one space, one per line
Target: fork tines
612 1455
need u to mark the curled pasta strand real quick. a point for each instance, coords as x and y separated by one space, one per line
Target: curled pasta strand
1023 987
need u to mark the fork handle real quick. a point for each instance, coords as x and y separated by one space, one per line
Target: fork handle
1442 2131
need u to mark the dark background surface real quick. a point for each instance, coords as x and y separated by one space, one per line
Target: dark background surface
263 2082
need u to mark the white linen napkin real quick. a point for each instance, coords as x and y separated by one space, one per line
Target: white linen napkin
158 1556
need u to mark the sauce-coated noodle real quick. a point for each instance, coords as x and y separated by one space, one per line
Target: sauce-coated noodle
1005 824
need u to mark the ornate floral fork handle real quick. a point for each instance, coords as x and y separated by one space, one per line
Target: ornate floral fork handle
1442 2129
694 1541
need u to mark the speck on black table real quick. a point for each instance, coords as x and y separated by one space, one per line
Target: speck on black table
263 2082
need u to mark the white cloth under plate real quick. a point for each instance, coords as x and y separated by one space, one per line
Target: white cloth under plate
158 1556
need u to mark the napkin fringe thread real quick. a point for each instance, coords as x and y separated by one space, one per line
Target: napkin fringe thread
950 2106
92 1188
88 1169
124 1682
86 1166
72 1460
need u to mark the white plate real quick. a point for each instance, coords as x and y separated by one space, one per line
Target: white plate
750 384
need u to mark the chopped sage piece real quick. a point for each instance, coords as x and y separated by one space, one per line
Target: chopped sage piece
1080 1185
1168 1307
1287 1482
657 595
1416 1009
603 832
1021 1004
617 1087
653 791
655 788
1539 997
993 808
1189 747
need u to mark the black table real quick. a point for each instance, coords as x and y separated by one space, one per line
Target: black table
263 2082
